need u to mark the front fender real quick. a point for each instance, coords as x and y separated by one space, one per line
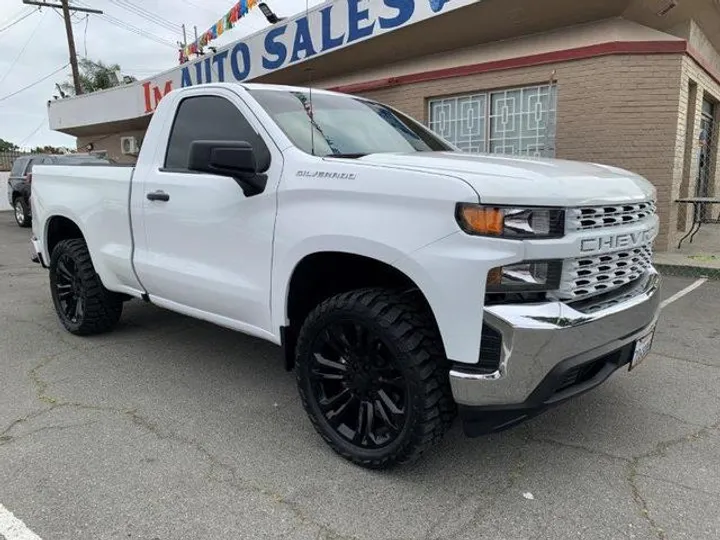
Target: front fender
284 266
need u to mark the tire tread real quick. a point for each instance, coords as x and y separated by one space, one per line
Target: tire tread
415 334
103 308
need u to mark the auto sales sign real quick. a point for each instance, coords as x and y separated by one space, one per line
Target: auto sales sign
325 28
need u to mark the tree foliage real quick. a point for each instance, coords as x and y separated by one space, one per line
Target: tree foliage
94 75
6 146
47 149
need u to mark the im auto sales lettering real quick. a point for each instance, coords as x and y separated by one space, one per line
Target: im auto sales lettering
292 42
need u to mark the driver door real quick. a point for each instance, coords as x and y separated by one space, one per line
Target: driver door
206 248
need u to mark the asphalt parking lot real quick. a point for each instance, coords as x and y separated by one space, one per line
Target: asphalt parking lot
170 428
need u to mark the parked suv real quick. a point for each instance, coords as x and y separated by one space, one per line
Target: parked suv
21 178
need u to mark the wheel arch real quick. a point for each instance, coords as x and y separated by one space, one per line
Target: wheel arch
322 274
57 228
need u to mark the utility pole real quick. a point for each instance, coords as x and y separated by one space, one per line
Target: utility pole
67 9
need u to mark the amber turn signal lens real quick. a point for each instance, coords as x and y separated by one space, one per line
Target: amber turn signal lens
481 220
495 277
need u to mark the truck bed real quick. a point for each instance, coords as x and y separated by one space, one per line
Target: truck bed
97 196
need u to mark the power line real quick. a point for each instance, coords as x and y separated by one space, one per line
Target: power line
23 11
18 20
46 77
193 4
26 139
23 49
142 12
139 31
132 28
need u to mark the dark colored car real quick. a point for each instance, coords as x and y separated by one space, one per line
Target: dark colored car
21 179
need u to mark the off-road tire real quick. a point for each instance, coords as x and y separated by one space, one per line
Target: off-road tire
101 307
404 324
21 211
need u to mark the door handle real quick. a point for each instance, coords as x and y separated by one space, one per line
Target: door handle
158 196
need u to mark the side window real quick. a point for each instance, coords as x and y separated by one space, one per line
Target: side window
210 118
33 162
18 168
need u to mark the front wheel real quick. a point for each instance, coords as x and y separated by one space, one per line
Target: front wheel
373 377
22 212
83 304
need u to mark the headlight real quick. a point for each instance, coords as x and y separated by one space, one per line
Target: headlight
510 222
525 277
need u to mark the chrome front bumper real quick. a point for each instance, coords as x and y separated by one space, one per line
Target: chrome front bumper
538 337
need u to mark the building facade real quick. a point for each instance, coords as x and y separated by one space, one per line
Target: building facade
629 83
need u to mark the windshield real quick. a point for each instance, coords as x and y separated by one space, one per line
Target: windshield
345 126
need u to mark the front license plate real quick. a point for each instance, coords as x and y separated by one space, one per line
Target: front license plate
642 349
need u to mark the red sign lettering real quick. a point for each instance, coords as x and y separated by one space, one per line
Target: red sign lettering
153 94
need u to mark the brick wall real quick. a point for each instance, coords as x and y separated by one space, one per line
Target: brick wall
617 110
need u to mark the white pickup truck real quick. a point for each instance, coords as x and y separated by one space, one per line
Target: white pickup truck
406 281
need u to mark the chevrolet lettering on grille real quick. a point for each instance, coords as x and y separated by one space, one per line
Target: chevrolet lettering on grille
617 241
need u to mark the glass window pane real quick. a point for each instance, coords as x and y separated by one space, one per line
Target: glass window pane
460 120
518 121
210 118
522 121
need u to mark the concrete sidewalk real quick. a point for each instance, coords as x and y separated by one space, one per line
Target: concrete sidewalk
701 258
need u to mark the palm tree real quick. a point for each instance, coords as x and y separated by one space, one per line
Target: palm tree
94 75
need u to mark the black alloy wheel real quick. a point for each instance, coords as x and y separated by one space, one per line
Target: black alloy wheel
373 377
69 289
84 306
360 390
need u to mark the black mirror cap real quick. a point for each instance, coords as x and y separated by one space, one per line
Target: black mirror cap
225 158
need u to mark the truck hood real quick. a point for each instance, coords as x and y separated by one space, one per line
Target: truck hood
527 181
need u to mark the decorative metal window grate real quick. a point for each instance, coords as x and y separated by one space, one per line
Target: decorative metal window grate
519 121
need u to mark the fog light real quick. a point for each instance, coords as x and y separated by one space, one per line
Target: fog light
524 277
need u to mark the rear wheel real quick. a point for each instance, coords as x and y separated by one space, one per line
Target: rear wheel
373 377
82 303
22 212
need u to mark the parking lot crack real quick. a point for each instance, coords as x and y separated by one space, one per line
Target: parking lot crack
216 464
579 447
658 451
693 489
6 438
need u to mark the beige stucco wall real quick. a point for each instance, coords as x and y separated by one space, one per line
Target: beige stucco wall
617 110
111 143
583 35
698 40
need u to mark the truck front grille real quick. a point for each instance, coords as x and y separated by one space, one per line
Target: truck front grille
585 277
614 215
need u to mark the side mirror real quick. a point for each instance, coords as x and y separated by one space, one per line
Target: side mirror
228 158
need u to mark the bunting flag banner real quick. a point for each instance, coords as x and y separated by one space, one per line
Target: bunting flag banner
224 24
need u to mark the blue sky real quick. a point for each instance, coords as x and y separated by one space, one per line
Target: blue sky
36 46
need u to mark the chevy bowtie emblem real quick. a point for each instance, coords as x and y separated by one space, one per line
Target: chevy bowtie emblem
437 5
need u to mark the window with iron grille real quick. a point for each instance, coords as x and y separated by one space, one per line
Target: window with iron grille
518 121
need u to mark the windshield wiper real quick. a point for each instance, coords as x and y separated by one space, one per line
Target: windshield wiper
347 156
